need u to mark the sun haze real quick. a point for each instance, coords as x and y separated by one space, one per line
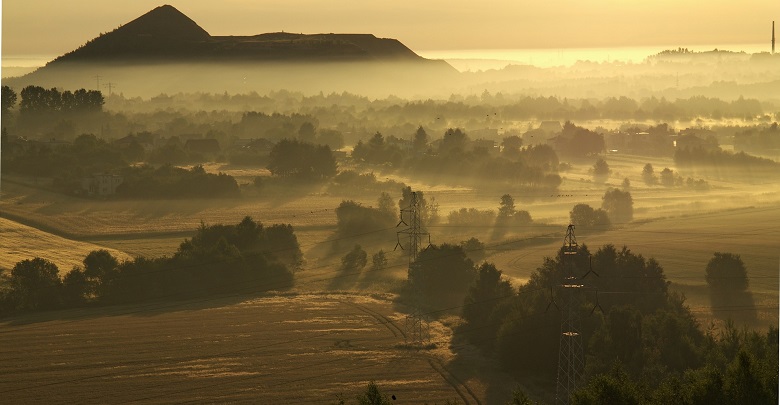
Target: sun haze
505 24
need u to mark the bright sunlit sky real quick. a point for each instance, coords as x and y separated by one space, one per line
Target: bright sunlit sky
50 27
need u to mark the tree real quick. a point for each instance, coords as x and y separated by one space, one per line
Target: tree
301 160
373 396
306 132
474 248
75 287
387 205
726 272
355 260
601 170
35 284
619 205
378 260
506 208
98 264
428 212
626 185
585 215
648 176
443 274
8 100
667 177
614 388
454 139
487 292
420 139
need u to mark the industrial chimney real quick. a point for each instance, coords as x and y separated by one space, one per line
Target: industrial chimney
773 37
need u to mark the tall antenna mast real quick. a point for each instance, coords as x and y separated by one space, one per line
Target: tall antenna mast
773 37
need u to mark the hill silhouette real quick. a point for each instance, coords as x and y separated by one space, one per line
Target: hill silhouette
166 34
164 51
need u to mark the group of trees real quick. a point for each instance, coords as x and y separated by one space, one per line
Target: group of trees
218 258
764 141
617 207
85 156
172 182
301 160
578 143
642 344
726 165
37 102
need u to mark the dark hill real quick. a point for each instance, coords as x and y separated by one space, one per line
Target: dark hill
165 34
166 51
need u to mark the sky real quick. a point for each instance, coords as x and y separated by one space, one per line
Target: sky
50 27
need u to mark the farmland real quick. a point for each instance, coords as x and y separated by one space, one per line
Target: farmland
295 348
335 332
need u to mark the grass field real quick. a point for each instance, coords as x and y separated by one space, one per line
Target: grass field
271 349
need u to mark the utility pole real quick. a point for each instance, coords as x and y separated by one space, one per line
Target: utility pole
416 323
571 360
97 77
110 86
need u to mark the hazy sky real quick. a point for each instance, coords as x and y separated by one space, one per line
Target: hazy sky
54 27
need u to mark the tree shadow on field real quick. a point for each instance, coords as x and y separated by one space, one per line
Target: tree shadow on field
738 306
149 308
472 368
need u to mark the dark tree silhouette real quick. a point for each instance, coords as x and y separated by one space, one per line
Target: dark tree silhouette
35 284
8 100
301 160
726 272
584 215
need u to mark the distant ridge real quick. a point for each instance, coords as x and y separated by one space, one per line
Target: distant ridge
165 34
166 51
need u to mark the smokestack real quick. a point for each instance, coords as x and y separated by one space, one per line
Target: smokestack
773 37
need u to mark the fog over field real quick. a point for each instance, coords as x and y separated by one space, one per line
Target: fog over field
189 214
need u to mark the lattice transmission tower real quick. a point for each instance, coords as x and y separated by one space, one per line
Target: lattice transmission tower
571 360
416 323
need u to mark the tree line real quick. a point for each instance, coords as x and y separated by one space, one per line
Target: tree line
218 258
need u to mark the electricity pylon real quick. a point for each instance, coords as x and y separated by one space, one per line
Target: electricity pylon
416 324
571 360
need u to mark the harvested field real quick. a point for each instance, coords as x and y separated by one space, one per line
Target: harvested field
20 242
270 349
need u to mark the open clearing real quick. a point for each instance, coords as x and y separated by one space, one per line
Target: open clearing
269 349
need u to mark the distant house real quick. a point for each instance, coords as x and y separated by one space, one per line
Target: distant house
101 184
204 146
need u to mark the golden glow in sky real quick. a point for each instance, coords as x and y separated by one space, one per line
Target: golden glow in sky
55 27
